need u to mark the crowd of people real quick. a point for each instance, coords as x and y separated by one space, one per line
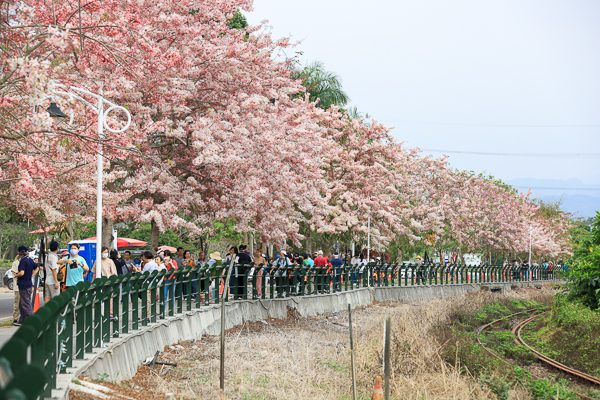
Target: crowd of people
63 272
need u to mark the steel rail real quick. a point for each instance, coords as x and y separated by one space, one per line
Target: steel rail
486 326
554 363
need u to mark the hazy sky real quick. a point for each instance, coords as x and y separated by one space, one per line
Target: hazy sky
486 76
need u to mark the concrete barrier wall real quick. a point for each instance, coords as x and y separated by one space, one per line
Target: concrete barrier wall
121 359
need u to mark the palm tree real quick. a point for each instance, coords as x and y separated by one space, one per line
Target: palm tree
323 85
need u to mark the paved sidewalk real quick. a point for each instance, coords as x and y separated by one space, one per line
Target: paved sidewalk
6 332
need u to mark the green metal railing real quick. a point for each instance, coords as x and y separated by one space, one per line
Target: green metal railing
79 319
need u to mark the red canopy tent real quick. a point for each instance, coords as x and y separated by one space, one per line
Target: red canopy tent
125 242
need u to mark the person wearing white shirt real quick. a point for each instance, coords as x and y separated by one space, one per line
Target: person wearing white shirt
15 270
150 265
52 288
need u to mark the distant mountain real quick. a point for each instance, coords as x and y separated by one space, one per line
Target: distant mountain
582 200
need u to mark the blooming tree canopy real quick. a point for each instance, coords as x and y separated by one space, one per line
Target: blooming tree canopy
221 131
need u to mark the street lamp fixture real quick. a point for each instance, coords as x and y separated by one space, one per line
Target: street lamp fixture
57 115
71 92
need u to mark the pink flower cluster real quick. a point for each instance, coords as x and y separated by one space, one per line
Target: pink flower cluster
217 136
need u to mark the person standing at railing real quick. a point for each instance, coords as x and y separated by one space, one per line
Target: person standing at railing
310 264
52 288
108 266
361 265
27 270
76 266
337 265
171 266
245 259
259 263
233 255
120 264
201 263
281 260
214 262
108 269
149 263
188 261
322 262
129 263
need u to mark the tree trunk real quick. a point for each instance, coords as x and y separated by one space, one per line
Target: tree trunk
154 233
71 235
400 255
309 248
460 254
107 236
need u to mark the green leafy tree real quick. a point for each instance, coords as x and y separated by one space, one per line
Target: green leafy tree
323 85
238 21
583 277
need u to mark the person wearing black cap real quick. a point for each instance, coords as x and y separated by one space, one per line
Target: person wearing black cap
27 269
52 288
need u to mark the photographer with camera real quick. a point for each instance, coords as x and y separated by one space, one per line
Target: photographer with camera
76 266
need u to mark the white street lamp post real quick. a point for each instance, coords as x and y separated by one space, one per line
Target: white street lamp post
102 116
530 246
529 265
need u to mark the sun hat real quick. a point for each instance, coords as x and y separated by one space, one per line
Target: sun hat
215 256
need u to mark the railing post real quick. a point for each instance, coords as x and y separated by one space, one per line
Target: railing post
155 287
146 298
116 300
82 287
97 320
202 290
253 273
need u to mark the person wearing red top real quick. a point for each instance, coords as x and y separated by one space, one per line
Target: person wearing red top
321 262
171 265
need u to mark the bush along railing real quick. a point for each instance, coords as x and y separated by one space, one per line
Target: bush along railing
91 314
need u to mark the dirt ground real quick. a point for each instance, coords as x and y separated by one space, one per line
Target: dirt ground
309 358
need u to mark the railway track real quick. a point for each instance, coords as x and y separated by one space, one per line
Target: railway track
519 340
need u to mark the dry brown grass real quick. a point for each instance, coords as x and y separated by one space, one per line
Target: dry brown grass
308 358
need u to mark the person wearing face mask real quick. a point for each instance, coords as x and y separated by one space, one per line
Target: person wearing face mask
108 266
75 266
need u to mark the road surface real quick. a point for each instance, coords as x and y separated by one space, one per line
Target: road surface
6 313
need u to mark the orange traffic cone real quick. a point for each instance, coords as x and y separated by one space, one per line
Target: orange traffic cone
36 301
378 391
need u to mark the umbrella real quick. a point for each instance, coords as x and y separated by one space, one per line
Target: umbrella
125 242
171 249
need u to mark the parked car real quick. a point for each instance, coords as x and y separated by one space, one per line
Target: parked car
8 279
